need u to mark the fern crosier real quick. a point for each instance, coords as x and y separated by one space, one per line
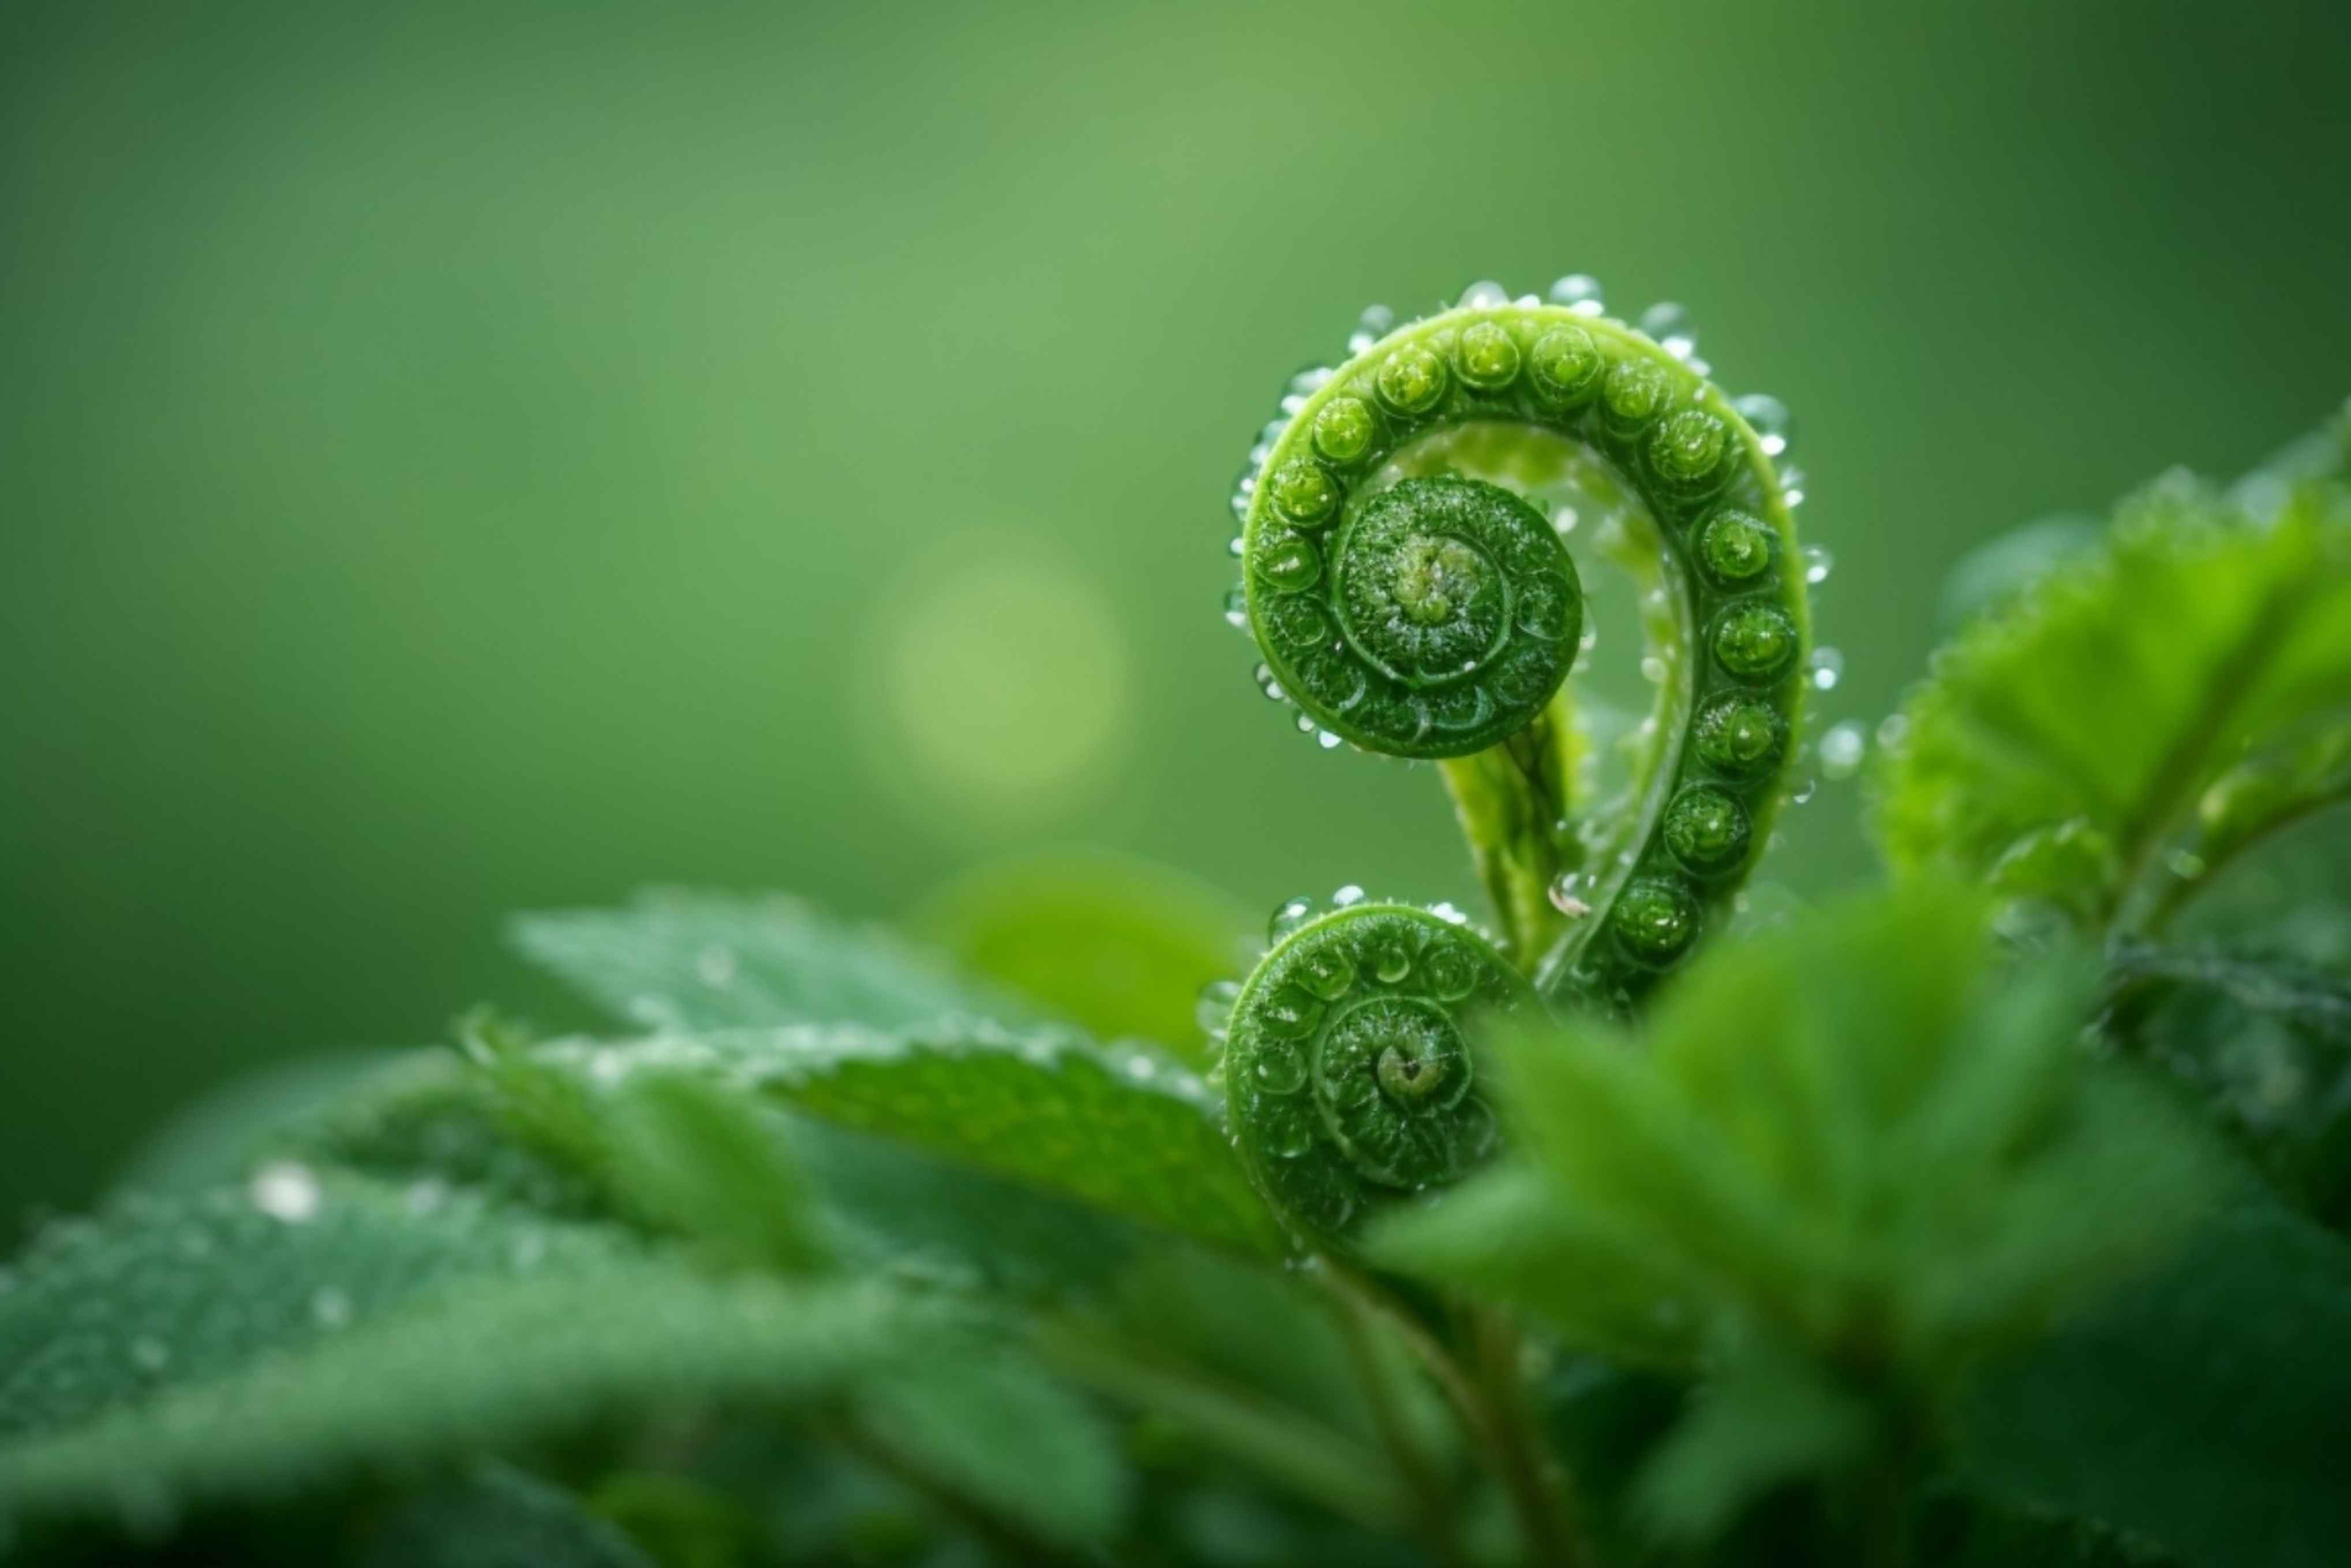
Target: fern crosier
1408 583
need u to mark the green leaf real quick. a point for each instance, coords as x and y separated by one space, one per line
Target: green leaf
1766 1420
678 960
305 1329
711 1167
498 1517
2266 1044
1854 1135
2111 696
436 1119
1119 947
1514 1236
2203 1407
997 1430
1121 1129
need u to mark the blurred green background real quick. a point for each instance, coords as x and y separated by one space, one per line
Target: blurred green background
461 460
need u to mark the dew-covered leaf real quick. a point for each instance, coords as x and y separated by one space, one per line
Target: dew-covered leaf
681 960
435 1120
2204 1407
1124 1130
1120 946
306 1327
2110 698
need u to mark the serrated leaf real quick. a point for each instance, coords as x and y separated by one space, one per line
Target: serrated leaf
308 1325
2114 693
681 960
996 1429
434 1120
1119 947
1123 1130
2204 1407
154 1294
1852 1133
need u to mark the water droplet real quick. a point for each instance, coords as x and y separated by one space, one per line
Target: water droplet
1305 725
1326 741
1215 1006
150 1354
1818 563
330 1307
1791 486
1892 731
1266 683
1292 914
1841 749
1233 545
1653 669
1580 292
1768 416
1142 1069
1328 973
1566 894
1800 792
287 1190
1347 897
1484 295
1310 380
2184 864
1825 668
1669 325
715 966
1450 915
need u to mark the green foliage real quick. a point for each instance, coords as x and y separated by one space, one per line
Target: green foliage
1893 1236
1120 1128
1849 1161
2108 735
306 1328
676 960
2203 1407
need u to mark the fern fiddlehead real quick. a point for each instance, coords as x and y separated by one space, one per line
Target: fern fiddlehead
1407 579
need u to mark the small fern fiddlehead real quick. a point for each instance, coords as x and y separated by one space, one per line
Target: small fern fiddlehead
1408 583
1348 1072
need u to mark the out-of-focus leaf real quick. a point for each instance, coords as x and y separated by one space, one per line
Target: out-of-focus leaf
434 1120
216 1139
1767 1420
2266 1044
1120 946
994 1428
156 1293
1855 1141
498 1517
680 961
1514 1236
2204 1407
2116 692
1124 1130
2005 565
711 1165
304 1328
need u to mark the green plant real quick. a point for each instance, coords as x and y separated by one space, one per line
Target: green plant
1992 1217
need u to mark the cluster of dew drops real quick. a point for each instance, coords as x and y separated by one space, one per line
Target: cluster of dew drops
1842 747
1215 1008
